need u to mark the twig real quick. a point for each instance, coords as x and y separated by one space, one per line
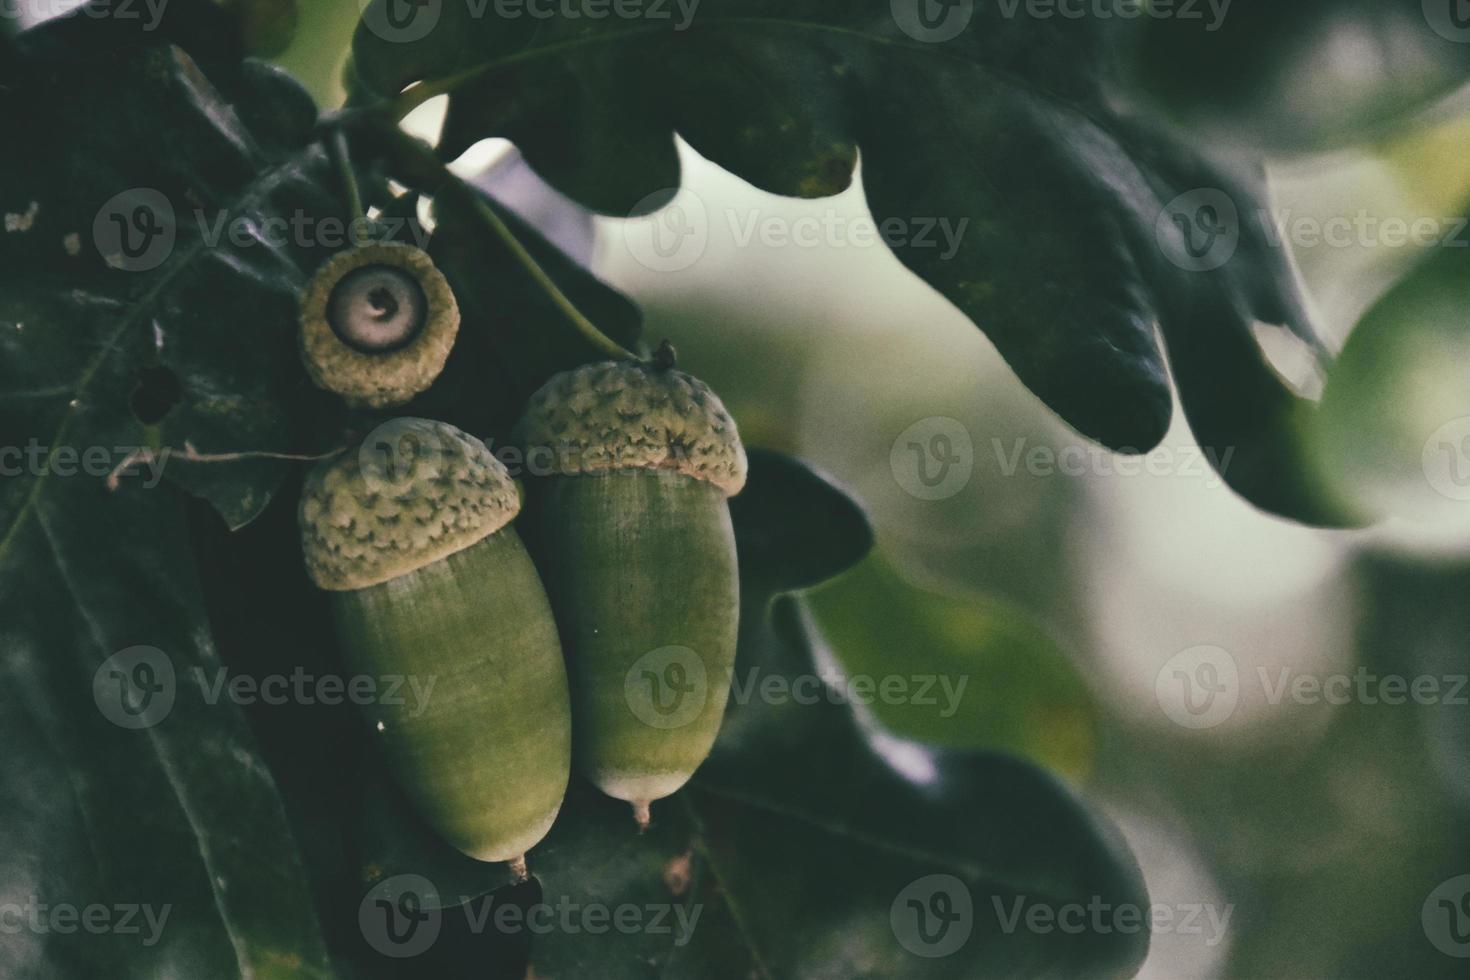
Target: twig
336 143
147 456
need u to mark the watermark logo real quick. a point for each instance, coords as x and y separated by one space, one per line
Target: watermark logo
135 231
401 916
1199 230
135 688
933 459
933 21
671 238
667 688
1446 459
933 917
401 21
1449 18
399 455
1199 688
1446 917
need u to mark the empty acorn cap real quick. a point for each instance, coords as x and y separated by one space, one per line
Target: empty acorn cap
416 491
621 415
377 324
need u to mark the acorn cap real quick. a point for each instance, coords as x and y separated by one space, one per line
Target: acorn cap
393 375
621 415
416 491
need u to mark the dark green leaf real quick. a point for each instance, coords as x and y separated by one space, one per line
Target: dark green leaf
793 528
194 345
993 163
181 818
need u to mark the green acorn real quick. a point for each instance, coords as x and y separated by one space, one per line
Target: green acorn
633 536
377 324
412 536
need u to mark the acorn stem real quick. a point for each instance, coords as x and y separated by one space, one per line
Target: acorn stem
336 144
666 358
604 344
519 869
642 815
431 174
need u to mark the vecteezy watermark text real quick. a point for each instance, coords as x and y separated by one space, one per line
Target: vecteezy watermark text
1201 687
673 236
406 21
1201 230
150 12
402 917
935 916
1213 12
1190 462
670 687
103 462
138 687
63 919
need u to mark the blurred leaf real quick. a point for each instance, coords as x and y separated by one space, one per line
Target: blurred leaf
810 815
1431 652
1350 68
1393 433
320 46
1001 173
266 26
975 672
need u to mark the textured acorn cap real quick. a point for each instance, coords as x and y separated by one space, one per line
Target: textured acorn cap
379 379
621 415
415 492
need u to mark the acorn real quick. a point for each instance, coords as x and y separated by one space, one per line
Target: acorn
632 532
377 324
430 583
